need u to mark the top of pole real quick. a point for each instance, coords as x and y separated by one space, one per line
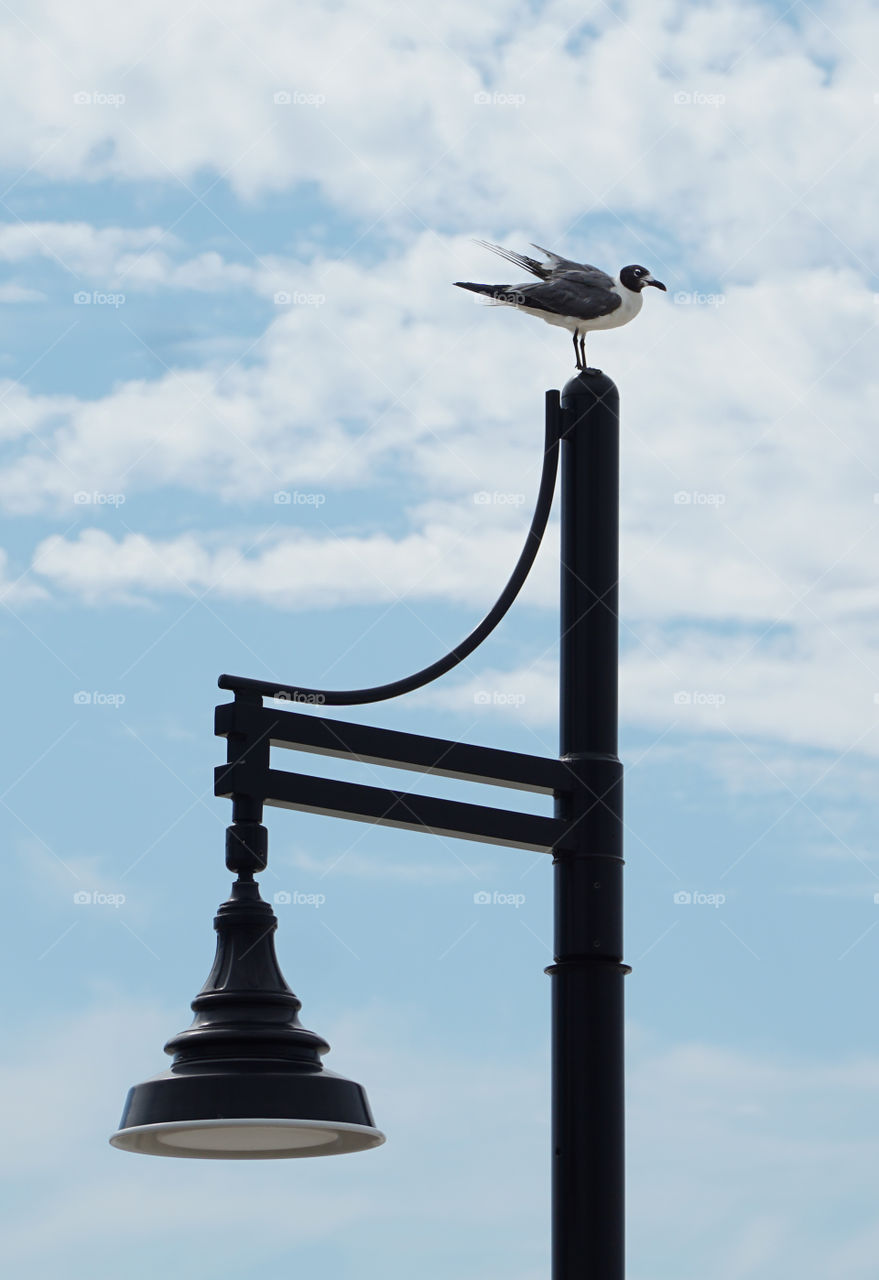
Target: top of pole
589 386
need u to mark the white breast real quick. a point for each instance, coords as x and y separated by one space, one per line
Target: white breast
626 311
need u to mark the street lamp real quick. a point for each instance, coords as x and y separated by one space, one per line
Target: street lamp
247 1081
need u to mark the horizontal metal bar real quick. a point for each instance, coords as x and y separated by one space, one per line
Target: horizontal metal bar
305 732
390 808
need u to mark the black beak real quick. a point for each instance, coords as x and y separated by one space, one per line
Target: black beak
657 284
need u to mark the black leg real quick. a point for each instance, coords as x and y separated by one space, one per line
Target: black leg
577 349
583 351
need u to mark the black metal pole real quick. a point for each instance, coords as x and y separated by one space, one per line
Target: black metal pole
588 1134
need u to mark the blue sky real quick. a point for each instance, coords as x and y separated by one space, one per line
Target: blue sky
265 210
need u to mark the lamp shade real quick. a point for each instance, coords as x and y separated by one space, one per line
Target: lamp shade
246 1081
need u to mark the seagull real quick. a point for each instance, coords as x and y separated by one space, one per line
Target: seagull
572 295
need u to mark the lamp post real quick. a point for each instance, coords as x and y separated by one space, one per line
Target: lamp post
247 1080
588 1218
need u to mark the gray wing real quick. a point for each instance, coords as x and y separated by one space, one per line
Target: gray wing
597 277
571 293
536 268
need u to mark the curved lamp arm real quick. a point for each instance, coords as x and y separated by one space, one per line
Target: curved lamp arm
350 697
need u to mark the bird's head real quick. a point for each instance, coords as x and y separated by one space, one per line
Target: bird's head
635 278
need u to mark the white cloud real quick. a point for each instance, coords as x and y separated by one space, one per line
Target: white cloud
20 589
816 688
137 259
12 293
754 85
79 247
299 572
338 392
528 694
748 497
